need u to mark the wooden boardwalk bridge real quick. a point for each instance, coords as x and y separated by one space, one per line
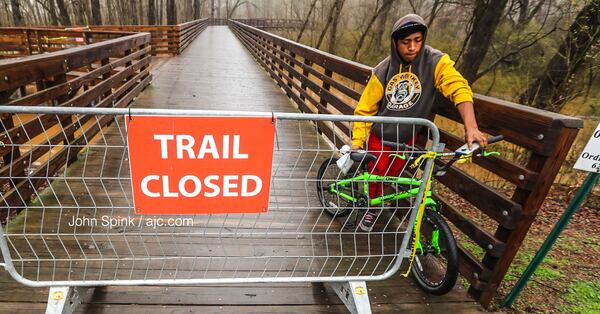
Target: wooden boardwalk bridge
223 68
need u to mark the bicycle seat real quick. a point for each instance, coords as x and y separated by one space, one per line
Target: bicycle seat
362 156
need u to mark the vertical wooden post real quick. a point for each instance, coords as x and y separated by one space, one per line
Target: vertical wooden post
27 42
326 87
293 65
308 63
105 76
14 153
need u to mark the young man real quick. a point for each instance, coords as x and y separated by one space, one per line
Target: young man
403 85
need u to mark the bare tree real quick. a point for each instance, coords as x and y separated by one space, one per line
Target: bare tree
171 12
436 7
96 14
339 4
380 29
487 16
64 14
133 11
197 8
151 12
310 11
238 3
16 13
49 8
525 14
385 6
550 90
80 11
159 10
326 27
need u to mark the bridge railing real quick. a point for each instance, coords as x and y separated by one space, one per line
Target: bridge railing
267 24
319 82
165 39
110 73
25 41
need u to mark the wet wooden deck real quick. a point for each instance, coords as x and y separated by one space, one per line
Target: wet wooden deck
216 72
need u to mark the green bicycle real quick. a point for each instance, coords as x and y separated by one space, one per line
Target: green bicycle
436 257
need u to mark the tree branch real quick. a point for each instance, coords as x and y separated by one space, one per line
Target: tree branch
494 64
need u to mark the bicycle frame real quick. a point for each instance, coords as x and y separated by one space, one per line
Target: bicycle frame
366 177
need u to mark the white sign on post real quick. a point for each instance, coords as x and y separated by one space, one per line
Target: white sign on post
589 160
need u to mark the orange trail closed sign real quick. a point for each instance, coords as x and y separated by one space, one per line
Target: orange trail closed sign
200 165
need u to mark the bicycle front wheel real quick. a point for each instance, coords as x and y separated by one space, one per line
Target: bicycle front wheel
334 204
435 266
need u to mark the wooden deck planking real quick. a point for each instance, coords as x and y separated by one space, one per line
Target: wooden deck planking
216 73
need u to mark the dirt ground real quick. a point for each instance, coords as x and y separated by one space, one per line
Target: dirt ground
567 281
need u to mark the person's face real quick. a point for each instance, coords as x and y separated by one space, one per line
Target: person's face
410 46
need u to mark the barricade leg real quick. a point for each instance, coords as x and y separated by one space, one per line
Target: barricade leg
354 295
64 300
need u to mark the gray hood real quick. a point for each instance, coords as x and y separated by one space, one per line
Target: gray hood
410 20
421 70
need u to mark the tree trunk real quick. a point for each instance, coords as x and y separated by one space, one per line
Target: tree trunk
151 12
324 32
310 11
378 37
52 13
35 17
523 11
171 13
16 13
140 12
435 9
64 13
487 16
550 91
197 7
159 11
385 6
79 12
96 13
133 11
525 15
339 4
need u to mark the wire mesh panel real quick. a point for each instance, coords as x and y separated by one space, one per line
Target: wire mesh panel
68 213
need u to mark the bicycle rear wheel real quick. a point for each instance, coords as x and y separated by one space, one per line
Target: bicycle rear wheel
333 203
435 267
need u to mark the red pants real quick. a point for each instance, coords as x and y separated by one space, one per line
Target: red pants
384 165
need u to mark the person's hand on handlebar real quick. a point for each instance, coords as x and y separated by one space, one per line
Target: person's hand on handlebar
473 134
356 147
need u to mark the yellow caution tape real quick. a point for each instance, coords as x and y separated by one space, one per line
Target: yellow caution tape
417 228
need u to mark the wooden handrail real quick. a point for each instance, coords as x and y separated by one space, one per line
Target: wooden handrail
165 39
319 82
109 73
24 41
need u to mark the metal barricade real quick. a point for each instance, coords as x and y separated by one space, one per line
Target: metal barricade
69 218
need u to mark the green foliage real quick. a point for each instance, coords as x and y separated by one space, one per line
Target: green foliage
583 297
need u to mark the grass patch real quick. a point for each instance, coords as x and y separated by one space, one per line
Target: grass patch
583 297
546 270
473 248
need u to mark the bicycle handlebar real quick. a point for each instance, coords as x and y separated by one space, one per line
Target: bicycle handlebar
398 146
495 139
440 171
